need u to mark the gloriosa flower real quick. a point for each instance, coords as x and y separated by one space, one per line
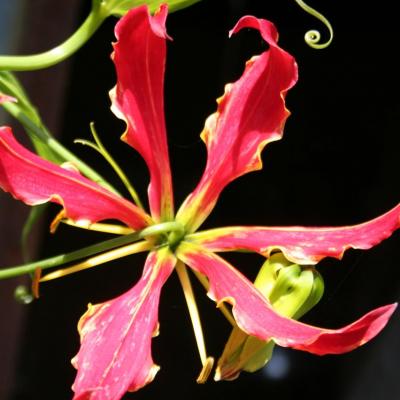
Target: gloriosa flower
115 354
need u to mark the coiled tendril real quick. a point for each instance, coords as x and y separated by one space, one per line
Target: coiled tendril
312 37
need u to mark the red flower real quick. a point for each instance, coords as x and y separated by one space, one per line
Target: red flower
115 354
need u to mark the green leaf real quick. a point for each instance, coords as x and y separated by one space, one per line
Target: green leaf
44 143
27 115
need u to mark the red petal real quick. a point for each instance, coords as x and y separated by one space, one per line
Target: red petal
115 354
251 114
35 181
301 245
255 316
139 57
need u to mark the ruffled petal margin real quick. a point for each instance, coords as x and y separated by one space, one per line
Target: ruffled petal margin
250 115
115 354
299 244
255 316
34 180
139 58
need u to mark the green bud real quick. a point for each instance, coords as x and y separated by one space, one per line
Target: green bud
23 295
292 291
314 296
268 274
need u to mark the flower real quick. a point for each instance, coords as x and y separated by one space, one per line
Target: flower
115 354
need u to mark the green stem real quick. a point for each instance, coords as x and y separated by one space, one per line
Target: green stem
59 53
51 262
312 37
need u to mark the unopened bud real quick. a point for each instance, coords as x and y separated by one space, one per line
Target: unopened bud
23 295
292 291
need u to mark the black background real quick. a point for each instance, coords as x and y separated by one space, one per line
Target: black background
336 165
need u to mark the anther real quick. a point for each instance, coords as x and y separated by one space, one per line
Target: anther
206 370
35 282
56 221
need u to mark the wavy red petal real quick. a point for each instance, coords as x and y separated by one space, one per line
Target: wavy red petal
139 58
301 245
255 316
34 180
115 354
251 114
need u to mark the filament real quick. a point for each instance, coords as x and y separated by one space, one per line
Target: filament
207 362
221 306
101 227
99 259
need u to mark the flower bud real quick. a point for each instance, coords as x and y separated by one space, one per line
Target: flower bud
292 291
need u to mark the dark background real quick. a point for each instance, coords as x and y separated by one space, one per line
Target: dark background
336 165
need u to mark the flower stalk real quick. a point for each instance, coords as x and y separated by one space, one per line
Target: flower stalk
60 52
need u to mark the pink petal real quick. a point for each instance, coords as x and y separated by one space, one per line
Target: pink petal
115 354
250 114
139 57
34 180
255 316
4 98
301 245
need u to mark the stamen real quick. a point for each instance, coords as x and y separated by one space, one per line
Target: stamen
101 227
35 282
207 362
206 370
221 306
99 259
56 221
